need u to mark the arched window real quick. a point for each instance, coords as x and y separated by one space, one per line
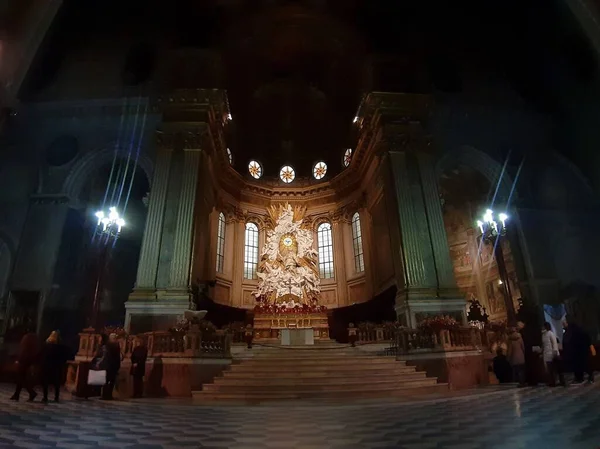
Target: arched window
325 244
220 242
359 260
251 251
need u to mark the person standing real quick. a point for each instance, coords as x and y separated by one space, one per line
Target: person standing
516 356
576 345
53 359
139 355
28 354
108 358
551 356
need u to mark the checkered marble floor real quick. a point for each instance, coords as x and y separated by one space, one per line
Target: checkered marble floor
510 418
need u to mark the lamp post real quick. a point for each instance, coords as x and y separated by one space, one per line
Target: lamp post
493 232
108 228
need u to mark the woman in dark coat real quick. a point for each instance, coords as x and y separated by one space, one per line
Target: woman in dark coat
53 359
139 355
28 354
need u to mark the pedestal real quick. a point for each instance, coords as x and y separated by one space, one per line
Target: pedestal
145 315
412 311
297 337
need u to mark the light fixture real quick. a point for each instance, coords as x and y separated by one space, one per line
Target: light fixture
287 174
255 169
110 223
319 170
489 227
347 157
492 233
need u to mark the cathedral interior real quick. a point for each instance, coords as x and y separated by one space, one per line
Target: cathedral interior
195 118
401 183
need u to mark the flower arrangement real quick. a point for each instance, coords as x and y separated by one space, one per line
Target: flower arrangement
280 309
438 323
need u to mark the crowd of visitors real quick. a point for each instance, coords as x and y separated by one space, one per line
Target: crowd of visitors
47 362
575 353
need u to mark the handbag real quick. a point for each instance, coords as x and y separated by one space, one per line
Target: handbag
96 377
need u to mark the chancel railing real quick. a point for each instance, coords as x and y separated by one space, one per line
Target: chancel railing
192 343
403 340
413 341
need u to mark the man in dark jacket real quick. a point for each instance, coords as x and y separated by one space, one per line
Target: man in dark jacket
108 359
139 355
576 347
28 354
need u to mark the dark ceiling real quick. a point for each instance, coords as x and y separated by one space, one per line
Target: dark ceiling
295 70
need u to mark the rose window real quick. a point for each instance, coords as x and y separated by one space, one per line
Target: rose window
287 174
347 157
319 170
255 169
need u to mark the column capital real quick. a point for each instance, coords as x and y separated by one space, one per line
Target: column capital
187 138
402 138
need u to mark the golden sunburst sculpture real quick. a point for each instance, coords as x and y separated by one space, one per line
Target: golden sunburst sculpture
276 210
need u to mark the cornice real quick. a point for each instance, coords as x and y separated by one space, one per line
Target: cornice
386 122
89 108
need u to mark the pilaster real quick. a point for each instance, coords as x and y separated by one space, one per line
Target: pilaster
416 244
182 247
439 239
338 261
148 265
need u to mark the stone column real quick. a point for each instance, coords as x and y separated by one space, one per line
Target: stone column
182 248
148 265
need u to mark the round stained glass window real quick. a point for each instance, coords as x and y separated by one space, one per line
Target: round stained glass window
347 157
255 169
229 156
287 174
319 170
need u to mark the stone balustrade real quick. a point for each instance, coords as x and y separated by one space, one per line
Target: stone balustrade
405 340
163 344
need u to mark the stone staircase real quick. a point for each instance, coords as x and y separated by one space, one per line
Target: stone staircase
265 374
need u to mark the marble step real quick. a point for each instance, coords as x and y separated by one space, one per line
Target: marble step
344 395
244 374
308 388
367 367
341 361
316 357
251 382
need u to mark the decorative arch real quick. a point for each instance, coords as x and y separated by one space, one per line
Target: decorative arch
85 166
483 163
